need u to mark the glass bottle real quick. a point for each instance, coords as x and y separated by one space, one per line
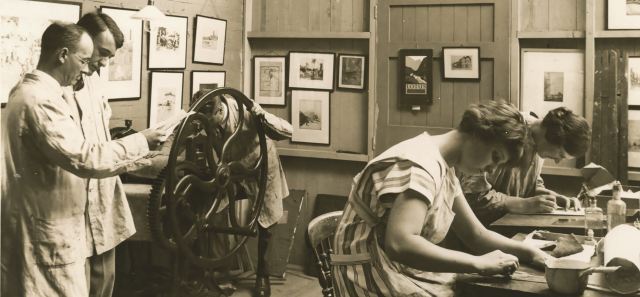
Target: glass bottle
593 217
616 208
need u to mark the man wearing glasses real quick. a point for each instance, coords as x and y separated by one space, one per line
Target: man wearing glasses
46 232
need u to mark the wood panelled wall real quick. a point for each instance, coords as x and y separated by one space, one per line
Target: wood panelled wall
552 15
310 15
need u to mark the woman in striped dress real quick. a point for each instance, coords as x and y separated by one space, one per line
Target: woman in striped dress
405 200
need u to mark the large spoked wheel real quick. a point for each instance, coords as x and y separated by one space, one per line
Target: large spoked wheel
202 194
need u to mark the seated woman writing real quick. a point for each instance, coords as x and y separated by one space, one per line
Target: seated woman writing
405 200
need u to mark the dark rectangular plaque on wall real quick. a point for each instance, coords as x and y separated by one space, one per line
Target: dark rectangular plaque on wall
415 83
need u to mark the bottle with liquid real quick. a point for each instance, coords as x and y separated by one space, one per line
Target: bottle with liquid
593 217
590 240
616 208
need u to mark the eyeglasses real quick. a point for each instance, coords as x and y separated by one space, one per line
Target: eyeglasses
84 62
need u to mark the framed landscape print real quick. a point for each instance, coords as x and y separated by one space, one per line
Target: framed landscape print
269 80
634 81
461 62
23 23
207 80
634 138
121 78
310 116
311 70
165 95
351 70
209 40
415 84
168 43
623 14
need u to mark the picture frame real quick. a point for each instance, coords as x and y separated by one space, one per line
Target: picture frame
23 25
310 116
634 139
633 96
209 80
351 71
461 62
269 80
312 71
167 43
622 15
415 77
121 78
209 40
165 95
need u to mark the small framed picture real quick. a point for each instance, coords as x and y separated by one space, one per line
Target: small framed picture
168 43
207 80
351 70
269 80
634 138
165 95
461 62
209 40
415 83
623 14
311 70
310 116
634 81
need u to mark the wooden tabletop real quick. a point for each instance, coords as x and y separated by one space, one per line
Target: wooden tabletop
527 281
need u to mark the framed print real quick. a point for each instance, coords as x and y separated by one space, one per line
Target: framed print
634 81
461 62
310 116
268 80
121 78
168 43
623 14
209 40
165 95
206 80
634 138
311 70
23 23
415 84
351 70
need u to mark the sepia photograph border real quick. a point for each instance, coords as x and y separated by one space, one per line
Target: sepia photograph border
63 5
195 73
415 99
218 59
451 74
322 136
173 65
362 76
264 100
294 68
153 87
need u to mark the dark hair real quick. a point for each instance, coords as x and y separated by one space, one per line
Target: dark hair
493 121
568 130
59 35
97 22
207 108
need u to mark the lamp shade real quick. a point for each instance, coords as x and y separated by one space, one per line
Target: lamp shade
149 13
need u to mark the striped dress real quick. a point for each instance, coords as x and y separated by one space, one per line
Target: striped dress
360 266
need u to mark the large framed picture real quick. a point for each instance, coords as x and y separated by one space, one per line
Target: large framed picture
121 78
311 70
634 139
310 116
623 14
207 80
415 78
168 43
269 80
165 95
209 40
461 62
351 70
23 23
634 81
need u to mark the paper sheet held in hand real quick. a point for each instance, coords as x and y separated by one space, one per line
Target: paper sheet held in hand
171 123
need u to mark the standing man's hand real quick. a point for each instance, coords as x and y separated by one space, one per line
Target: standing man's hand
153 137
257 110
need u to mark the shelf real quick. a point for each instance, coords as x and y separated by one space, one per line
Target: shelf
323 155
617 34
551 34
564 171
332 35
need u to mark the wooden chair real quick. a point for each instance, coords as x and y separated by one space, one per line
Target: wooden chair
321 231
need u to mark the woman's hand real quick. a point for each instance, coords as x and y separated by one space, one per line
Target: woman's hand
539 257
497 262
